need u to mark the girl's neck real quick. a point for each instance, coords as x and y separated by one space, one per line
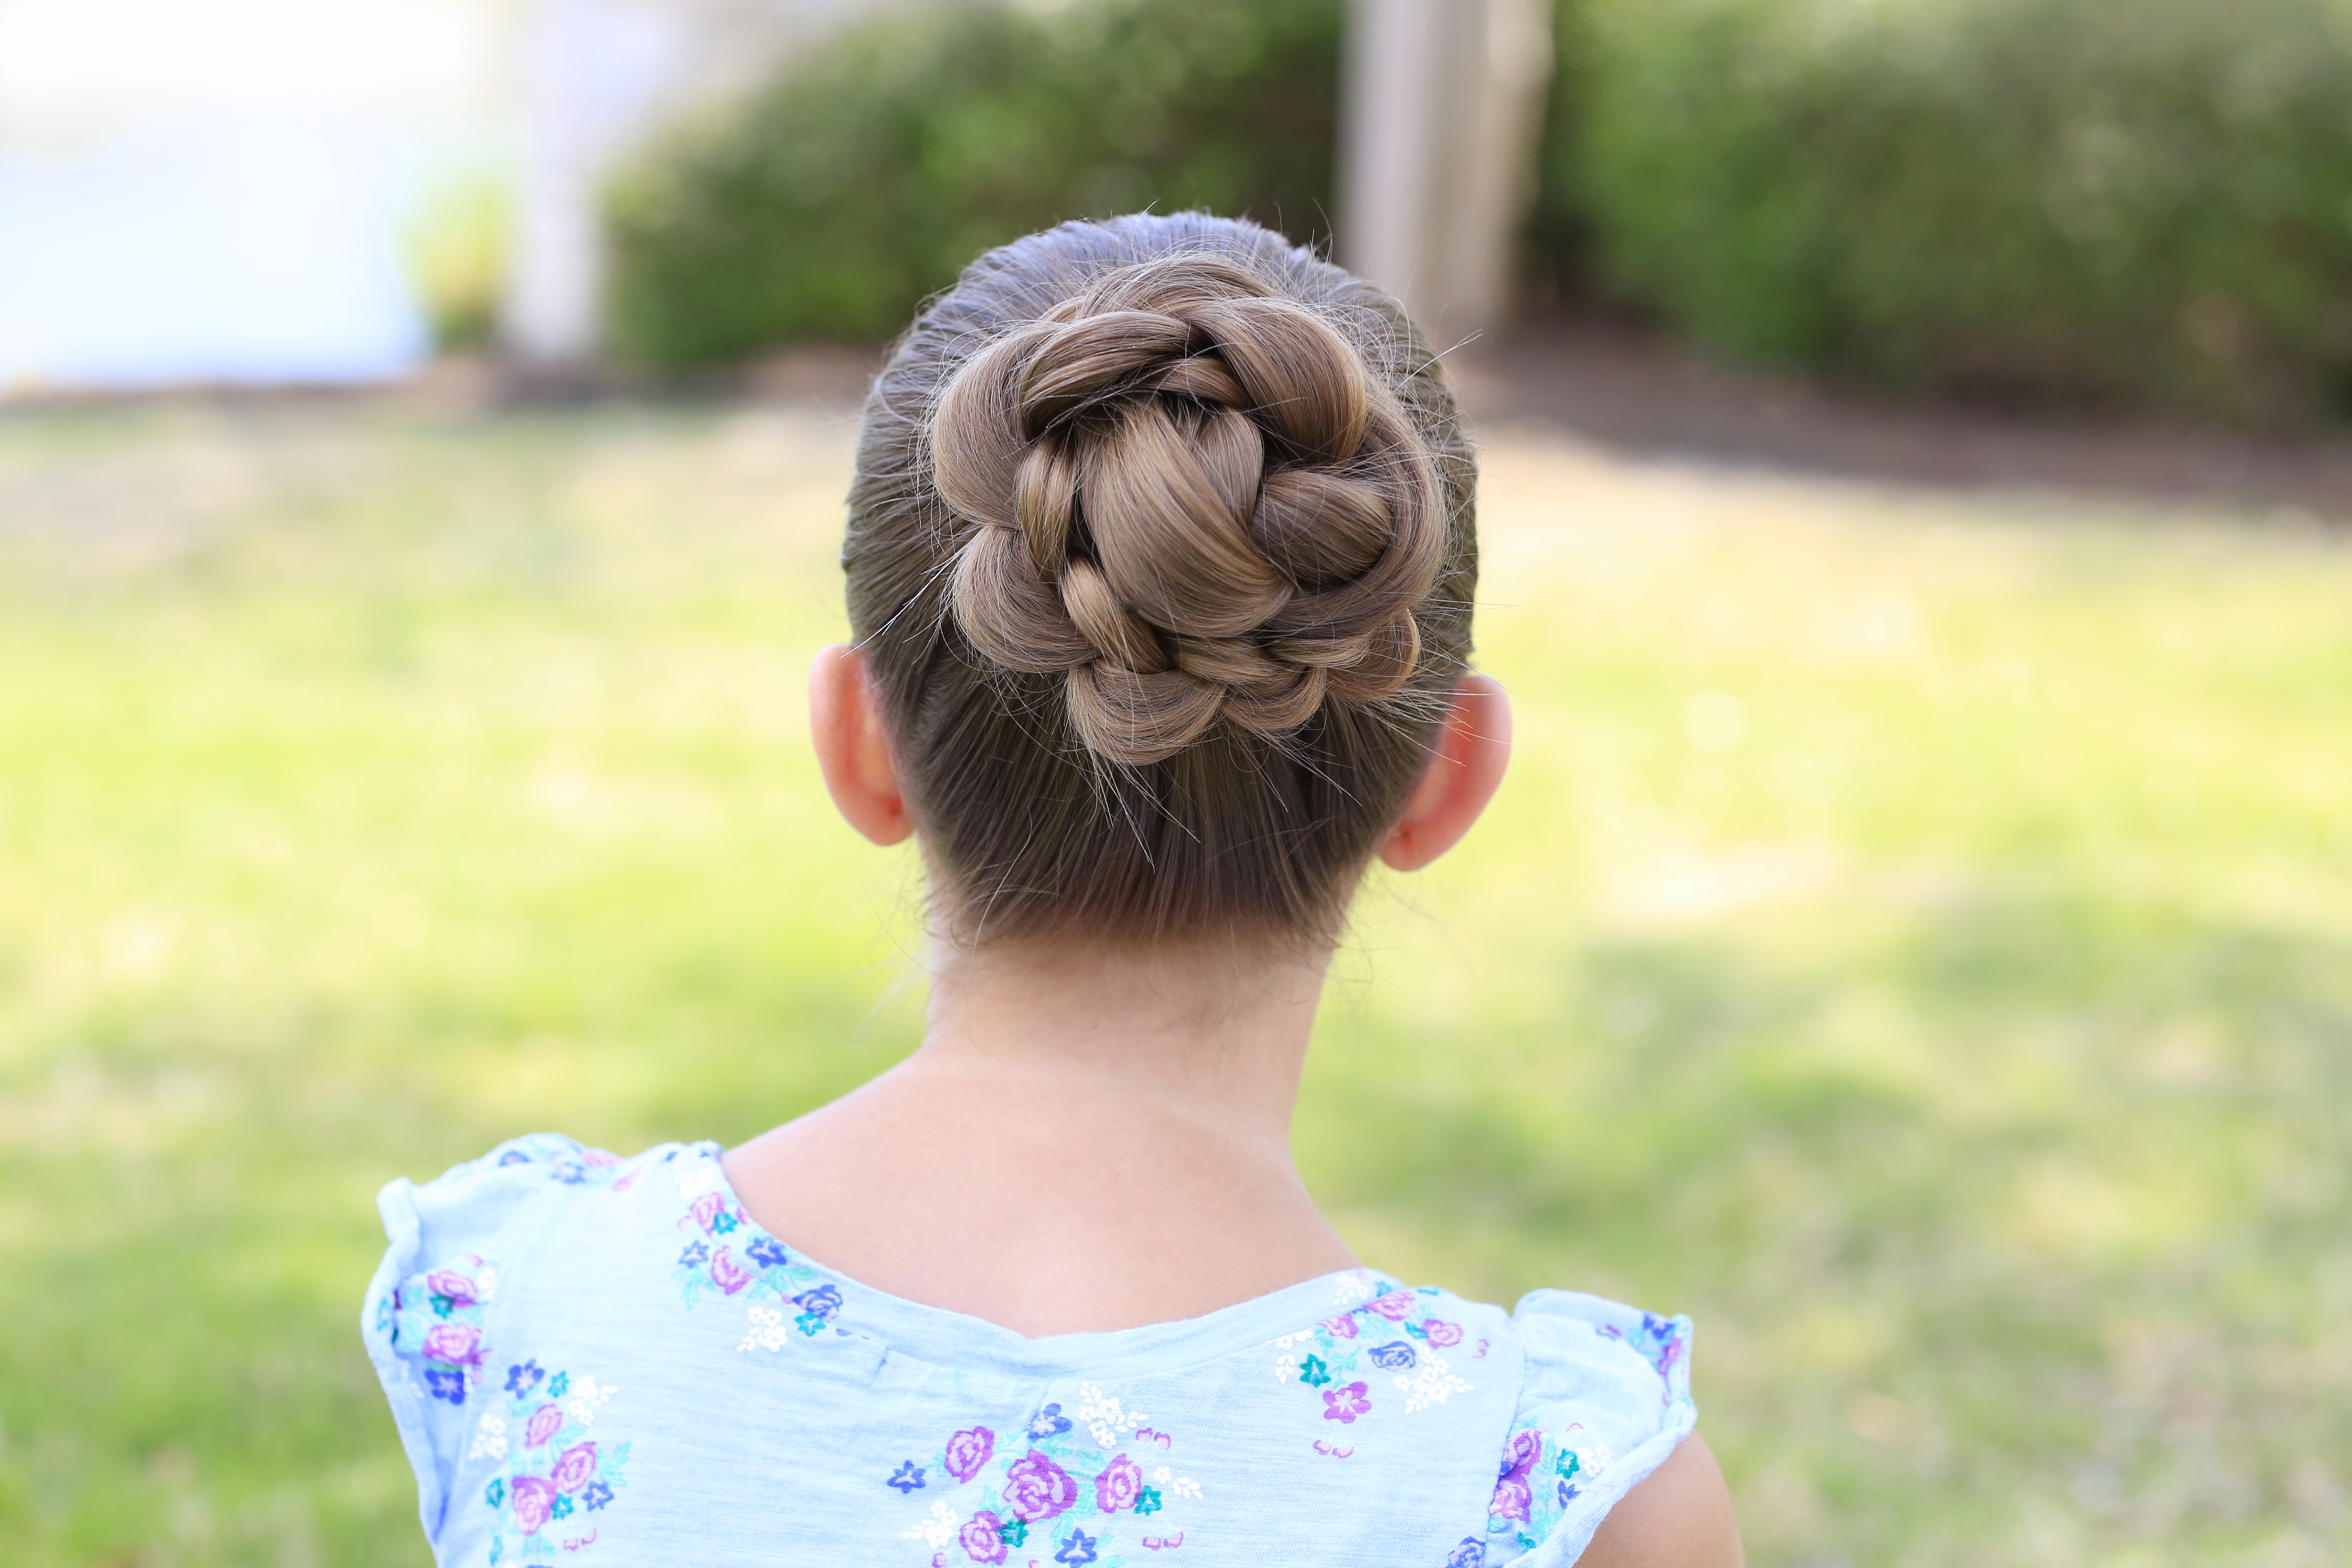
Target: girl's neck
1089 1140
1215 1038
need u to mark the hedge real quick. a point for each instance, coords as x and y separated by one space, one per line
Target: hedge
2148 200
874 166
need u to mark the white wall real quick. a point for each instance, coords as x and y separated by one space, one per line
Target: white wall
212 190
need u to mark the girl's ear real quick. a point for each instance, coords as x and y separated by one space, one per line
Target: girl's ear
846 724
1472 748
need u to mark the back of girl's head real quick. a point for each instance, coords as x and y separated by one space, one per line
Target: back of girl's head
1161 553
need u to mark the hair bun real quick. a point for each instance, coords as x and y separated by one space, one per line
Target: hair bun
1192 500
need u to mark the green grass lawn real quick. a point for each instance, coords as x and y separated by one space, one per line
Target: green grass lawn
1916 941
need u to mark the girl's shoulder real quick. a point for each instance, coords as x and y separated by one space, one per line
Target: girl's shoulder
563 1334
457 1249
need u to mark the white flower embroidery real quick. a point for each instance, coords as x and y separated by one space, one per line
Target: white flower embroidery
491 1439
937 1531
766 1330
1592 1456
1286 1341
587 1398
1429 1383
1352 1288
1178 1486
1287 1370
1105 1418
699 1178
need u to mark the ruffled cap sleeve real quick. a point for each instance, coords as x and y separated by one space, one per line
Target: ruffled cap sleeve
1606 1397
428 1319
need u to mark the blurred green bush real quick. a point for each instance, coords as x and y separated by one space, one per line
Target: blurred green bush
875 166
456 248
2148 200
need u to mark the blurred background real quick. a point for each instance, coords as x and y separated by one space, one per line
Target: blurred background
1917 938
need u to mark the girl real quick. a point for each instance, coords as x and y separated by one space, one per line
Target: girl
1160 561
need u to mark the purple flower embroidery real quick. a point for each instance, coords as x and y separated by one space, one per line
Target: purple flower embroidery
1471 1553
1077 1551
1440 1334
706 1208
1342 1327
981 1537
1395 1355
452 1287
574 1467
1118 1485
543 1424
446 1382
1396 1306
908 1479
968 1451
454 1344
534 1501
522 1379
726 1273
1050 1423
768 1253
1036 1489
823 1301
1346 1403
1513 1498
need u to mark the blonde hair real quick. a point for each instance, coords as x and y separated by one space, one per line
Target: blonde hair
1160 551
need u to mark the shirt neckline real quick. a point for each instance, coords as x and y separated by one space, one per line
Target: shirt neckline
945 1337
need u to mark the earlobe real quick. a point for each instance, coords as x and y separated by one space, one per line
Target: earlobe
853 747
1473 747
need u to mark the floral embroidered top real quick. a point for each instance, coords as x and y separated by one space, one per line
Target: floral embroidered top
606 1360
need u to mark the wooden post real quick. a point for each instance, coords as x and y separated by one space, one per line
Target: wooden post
1442 106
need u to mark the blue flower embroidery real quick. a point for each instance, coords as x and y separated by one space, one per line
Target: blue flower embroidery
1078 1549
514 1157
1395 1355
447 1382
596 1496
522 1379
568 1171
908 1479
823 1301
1567 1493
768 1253
694 1256
1471 1553
1050 1423
561 1386
495 1493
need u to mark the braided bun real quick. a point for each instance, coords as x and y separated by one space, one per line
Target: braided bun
1161 554
1192 501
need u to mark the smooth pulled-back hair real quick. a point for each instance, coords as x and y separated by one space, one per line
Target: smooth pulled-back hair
1160 552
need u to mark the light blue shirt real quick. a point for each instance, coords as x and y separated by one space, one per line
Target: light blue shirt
606 1361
